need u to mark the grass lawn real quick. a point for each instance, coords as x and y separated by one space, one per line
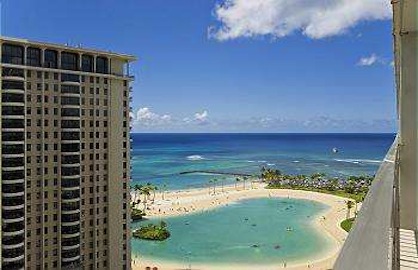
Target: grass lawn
357 197
346 224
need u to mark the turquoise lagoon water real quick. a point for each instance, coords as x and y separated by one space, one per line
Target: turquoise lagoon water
250 231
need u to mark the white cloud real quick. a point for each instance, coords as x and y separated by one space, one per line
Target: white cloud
201 117
369 61
279 18
144 116
145 120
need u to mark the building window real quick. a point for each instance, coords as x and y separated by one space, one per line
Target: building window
33 57
69 61
12 54
51 59
101 65
87 63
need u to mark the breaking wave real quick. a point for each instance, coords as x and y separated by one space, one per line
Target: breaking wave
195 157
359 161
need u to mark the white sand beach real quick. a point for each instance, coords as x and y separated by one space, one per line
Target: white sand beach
197 200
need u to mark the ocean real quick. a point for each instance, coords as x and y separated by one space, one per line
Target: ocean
161 159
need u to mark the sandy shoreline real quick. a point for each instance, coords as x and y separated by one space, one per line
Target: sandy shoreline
198 200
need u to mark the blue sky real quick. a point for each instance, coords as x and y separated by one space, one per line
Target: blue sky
235 65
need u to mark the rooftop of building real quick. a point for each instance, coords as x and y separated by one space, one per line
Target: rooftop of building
66 47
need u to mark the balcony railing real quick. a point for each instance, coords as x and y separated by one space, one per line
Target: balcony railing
70 77
70 229
13 214
14 201
72 159
70 124
13 136
70 241
11 110
17 265
13 72
70 217
70 147
13 97
14 240
70 194
12 148
13 227
70 206
70 136
71 112
373 242
13 85
13 162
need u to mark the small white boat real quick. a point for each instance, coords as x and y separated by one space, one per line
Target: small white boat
335 150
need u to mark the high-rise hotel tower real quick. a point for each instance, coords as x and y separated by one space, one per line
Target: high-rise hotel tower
65 151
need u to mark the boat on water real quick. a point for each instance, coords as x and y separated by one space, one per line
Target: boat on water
335 150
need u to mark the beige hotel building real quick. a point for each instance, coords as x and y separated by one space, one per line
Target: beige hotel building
65 151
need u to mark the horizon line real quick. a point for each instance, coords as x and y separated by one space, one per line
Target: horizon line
352 133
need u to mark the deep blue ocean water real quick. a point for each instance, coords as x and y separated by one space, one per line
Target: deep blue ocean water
160 158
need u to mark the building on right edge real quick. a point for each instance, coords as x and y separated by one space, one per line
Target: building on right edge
384 235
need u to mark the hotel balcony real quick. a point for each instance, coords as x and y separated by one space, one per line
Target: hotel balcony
13 74
14 202
70 229
70 207
12 136
12 149
13 85
12 241
70 182
14 228
384 234
70 194
14 263
70 242
70 148
13 98
70 79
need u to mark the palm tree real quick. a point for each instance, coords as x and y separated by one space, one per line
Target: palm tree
151 189
209 185
253 179
236 182
154 190
137 189
263 173
133 198
163 192
245 178
214 185
222 182
349 205
145 190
